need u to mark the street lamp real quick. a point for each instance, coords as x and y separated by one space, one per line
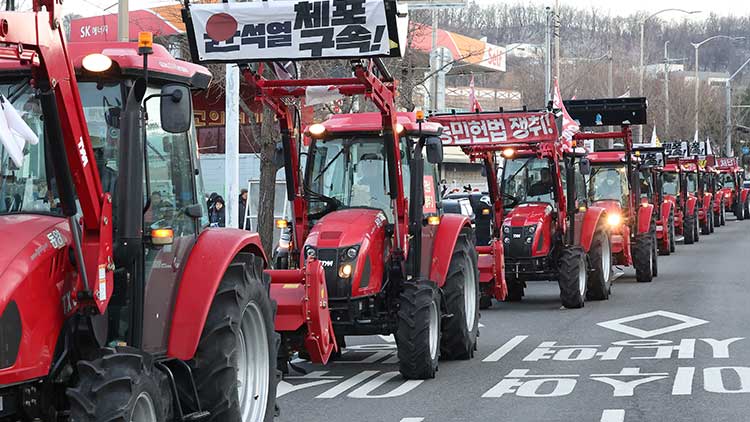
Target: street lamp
728 136
639 137
697 82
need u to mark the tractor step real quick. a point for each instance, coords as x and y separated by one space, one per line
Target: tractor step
196 416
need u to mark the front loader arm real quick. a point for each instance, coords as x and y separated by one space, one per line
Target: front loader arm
37 38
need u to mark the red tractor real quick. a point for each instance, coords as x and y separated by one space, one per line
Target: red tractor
651 166
615 185
548 231
713 181
116 302
697 173
678 188
731 176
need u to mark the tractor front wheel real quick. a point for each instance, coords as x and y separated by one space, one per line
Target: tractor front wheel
672 241
418 333
723 214
515 291
600 260
706 227
739 210
688 229
461 296
746 210
122 385
573 277
235 364
643 260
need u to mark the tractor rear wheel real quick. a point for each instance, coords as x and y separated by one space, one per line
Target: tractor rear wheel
123 385
643 260
697 231
573 277
723 214
600 260
738 210
515 291
235 364
705 227
688 229
461 300
418 333
485 302
654 255
746 210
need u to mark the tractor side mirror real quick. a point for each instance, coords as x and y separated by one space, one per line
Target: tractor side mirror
176 108
584 165
434 149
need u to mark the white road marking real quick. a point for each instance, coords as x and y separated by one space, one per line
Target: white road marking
685 322
613 415
388 339
412 419
683 381
504 349
481 325
347 384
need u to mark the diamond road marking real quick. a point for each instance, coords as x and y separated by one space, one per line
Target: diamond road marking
619 324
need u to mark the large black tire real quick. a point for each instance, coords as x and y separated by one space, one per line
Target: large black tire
643 261
706 227
515 291
573 277
746 210
688 229
668 231
672 235
122 385
418 333
723 214
697 231
654 255
460 330
717 217
600 262
240 304
739 210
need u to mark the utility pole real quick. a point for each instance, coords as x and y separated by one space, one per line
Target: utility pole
232 145
123 29
557 41
697 88
434 62
548 57
666 88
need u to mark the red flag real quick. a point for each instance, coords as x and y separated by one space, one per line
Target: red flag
473 102
569 126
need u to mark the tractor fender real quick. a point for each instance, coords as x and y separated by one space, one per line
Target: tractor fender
743 195
445 241
691 203
591 220
645 214
707 199
666 211
213 252
718 200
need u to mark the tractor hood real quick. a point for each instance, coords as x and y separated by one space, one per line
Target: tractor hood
610 206
528 214
28 234
346 227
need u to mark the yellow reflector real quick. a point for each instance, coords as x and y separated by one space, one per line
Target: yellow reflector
486 211
317 129
420 115
145 39
433 220
509 152
582 209
162 236
345 271
96 63
282 224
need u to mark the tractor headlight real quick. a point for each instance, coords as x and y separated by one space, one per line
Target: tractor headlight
506 229
506 240
352 252
310 252
529 240
345 271
531 229
614 219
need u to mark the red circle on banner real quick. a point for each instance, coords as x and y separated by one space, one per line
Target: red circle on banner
221 27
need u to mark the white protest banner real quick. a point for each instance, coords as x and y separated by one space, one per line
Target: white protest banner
295 30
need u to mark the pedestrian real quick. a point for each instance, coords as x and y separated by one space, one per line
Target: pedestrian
211 200
243 206
216 216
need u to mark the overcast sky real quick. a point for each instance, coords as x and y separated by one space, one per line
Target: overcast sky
616 7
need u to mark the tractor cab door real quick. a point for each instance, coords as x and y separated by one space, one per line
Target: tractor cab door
169 232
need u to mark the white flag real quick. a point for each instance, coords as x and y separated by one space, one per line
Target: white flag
655 139
709 150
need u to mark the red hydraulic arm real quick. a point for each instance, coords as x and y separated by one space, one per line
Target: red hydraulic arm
37 38
365 82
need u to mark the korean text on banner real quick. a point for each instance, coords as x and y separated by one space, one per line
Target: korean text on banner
295 30
488 128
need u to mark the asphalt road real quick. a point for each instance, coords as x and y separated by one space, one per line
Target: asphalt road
677 349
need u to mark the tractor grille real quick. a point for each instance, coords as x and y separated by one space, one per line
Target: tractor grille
517 246
337 287
10 335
